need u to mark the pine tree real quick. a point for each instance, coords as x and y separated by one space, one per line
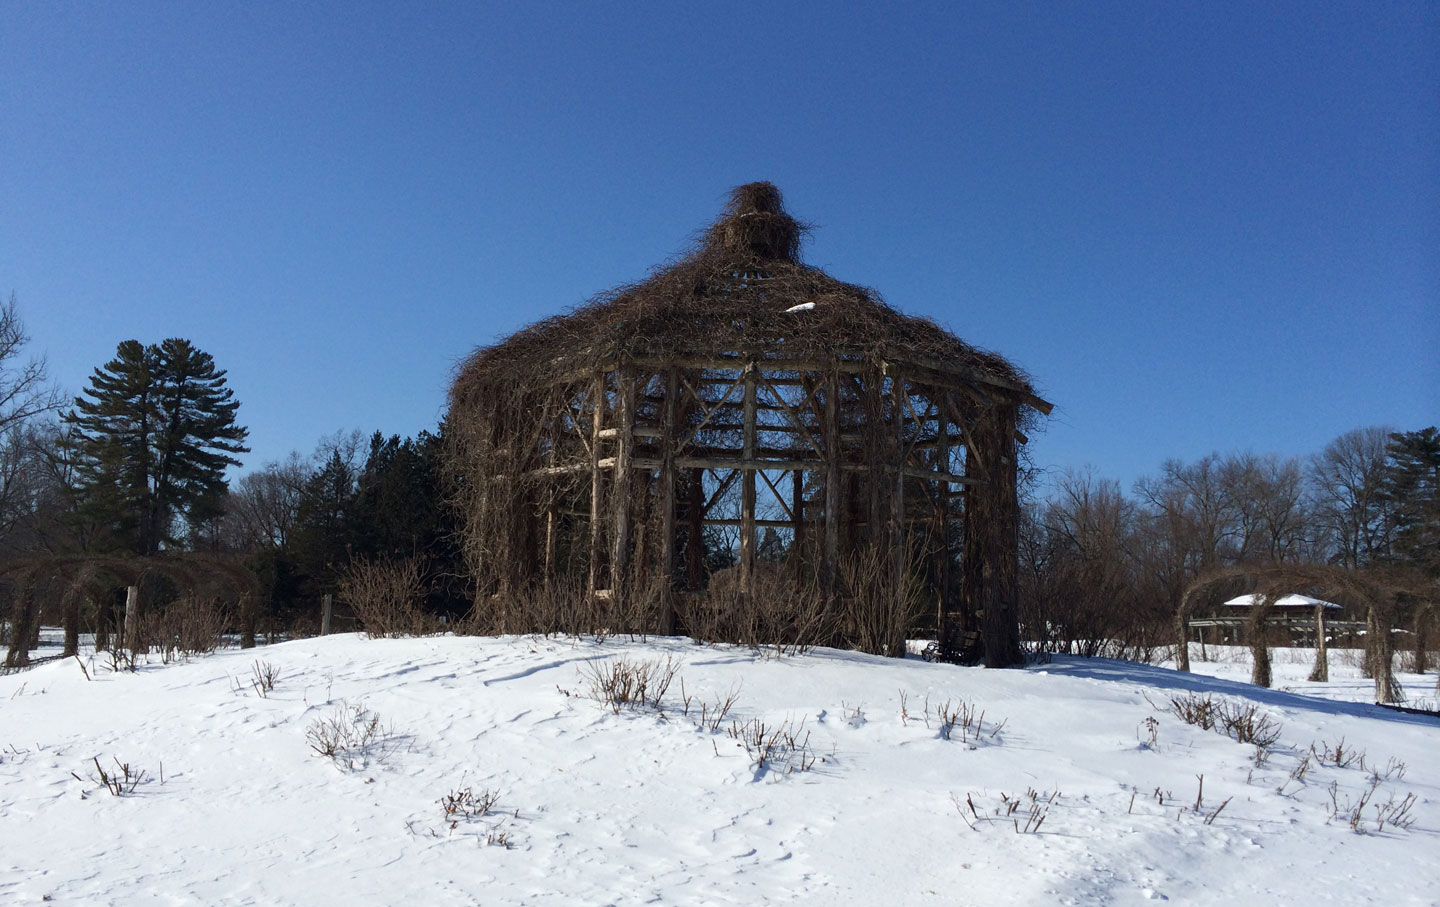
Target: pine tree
1412 487
153 435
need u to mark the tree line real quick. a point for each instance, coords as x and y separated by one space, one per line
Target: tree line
138 465
1103 568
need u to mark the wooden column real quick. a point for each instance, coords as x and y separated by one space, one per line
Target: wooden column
597 481
875 440
620 505
70 617
1321 672
898 560
942 518
667 503
797 518
552 532
992 526
747 488
132 618
695 543
830 559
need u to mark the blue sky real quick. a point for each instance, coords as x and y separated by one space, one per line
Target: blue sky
1200 226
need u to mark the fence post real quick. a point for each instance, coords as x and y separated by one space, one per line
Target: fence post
327 608
132 617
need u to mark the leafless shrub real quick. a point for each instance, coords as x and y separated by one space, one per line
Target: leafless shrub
1152 733
1393 768
498 837
351 736
963 716
1243 723
880 602
1395 813
184 629
119 782
120 658
1201 711
621 683
776 613
1033 808
1338 756
774 747
1247 724
708 716
263 677
1297 775
387 596
1215 813
463 804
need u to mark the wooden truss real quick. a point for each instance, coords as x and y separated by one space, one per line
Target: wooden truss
628 467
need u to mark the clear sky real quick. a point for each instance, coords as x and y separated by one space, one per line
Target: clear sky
1200 226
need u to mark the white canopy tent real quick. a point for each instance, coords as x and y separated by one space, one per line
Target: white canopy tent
1291 602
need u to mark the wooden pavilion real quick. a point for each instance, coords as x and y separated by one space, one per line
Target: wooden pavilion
737 392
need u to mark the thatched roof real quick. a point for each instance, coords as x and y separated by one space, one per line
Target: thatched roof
736 293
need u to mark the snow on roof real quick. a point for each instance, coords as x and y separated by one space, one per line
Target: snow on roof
1289 601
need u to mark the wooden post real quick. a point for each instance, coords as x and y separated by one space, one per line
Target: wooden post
597 423
132 618
830 560
942 518
874 455
248 620
898 564
327 611
1422 638
1321 672
695 544
992 525
747 488
667 503
70 615
551 532
620 492
797 518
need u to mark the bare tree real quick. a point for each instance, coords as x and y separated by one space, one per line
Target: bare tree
25 391
1266 494
1196 507
1347 479
25 394
262 508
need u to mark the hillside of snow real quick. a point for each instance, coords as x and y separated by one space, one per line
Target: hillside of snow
485 771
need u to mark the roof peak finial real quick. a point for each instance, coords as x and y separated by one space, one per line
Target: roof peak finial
756 225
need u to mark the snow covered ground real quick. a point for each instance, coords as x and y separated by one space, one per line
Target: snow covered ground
873 805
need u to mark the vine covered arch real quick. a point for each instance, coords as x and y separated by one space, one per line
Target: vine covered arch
1378 590
70 582
740 399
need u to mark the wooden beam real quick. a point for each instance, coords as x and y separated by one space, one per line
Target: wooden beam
729 463
667 503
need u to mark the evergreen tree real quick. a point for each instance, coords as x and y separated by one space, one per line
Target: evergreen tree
1412 487
324 535
152 437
